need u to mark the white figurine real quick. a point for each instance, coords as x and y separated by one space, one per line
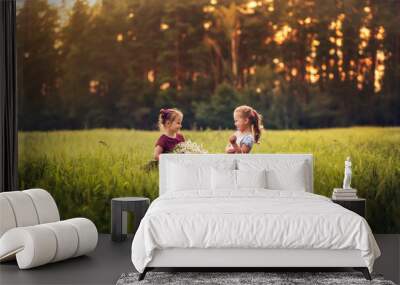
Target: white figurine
347 174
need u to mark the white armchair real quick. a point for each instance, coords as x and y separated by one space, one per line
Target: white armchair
31 230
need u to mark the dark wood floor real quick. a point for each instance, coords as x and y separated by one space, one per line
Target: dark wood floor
110 260
103 266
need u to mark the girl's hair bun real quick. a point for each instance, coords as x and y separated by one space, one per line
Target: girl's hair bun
164 114
165 111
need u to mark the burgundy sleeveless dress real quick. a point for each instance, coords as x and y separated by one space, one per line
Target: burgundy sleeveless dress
168 143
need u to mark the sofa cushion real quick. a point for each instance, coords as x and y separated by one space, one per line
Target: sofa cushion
7 220
23 208
45 205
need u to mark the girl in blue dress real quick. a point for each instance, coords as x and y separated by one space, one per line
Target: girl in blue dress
248 123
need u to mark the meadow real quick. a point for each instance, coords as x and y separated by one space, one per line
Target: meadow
84 169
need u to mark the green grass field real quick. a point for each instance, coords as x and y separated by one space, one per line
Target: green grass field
84 169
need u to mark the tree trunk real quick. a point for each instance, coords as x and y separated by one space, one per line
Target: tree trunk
235 37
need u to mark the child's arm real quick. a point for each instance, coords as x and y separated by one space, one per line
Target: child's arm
182 136
245 149
229 149
246 144
157 151
236 148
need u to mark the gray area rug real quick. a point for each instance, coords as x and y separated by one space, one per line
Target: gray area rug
228 278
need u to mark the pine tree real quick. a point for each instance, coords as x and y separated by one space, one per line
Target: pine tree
38 64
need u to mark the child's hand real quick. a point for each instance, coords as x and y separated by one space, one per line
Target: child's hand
232 139
230 150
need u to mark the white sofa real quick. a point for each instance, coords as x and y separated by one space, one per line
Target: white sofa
31 231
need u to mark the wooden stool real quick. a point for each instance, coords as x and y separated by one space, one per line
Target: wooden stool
119 208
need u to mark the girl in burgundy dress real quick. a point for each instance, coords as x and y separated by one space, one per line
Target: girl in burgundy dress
170 123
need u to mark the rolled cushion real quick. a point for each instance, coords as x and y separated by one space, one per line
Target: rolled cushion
23 208
66 238
7 218
45 205
87 235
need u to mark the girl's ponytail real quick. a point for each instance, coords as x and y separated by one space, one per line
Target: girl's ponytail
256 121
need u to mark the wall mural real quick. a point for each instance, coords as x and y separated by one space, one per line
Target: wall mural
93 76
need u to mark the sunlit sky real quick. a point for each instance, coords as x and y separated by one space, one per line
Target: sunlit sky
58 2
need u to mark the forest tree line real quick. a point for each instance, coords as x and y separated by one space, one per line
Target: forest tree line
115 63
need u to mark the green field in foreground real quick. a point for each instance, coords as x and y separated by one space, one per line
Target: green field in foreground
85 169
